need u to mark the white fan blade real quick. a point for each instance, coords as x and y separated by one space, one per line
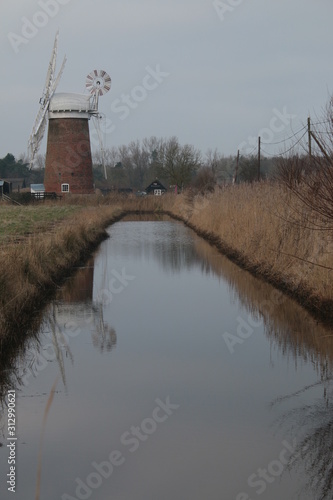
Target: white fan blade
56 81
35 140
36 136
51 69
51 84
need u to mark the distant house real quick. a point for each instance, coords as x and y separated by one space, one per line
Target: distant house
5 187
156 188
16 183
37 190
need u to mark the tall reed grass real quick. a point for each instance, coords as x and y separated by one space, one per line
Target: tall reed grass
270 232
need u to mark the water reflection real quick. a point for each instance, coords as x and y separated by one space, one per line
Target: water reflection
73 310
172 248
12 351
311 424
70 312
104 336
299 337
290 329
180 361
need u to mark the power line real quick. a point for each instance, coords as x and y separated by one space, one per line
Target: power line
287 151
323 133
251 152
286 139
322 123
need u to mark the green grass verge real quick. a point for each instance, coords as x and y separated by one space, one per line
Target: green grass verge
19 221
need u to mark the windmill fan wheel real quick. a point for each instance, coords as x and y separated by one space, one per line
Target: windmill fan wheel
98 81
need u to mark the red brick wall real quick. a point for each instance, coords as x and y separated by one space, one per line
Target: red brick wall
68 156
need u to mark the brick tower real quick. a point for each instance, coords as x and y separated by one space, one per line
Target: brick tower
68 165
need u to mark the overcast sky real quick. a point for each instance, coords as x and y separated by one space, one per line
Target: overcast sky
214 74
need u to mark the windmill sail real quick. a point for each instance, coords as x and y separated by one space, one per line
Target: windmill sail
50 86
51 69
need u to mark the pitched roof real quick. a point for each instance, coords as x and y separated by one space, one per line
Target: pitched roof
156 184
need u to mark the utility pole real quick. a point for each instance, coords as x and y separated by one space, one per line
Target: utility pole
321 147
234 180
259 144
309 138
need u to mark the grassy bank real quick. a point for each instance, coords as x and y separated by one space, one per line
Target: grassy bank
31 267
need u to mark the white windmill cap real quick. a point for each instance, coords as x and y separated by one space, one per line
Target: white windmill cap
67 105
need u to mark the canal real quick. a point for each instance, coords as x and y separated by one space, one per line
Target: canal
162 370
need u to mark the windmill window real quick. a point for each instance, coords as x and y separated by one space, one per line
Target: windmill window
65 188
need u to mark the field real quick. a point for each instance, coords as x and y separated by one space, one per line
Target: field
18 221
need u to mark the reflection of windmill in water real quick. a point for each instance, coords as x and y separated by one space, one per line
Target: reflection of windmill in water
75 304
74 312
68 164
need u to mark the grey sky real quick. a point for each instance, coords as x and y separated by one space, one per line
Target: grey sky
226 70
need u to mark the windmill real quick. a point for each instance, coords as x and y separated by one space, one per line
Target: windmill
68 164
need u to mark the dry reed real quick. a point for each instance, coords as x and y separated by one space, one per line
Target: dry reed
267 230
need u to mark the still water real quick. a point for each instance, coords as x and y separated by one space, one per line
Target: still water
163 371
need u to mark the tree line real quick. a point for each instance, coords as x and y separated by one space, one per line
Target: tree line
12 168
135 165
138 163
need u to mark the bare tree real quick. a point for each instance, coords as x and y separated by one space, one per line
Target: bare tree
178 163
221 166
311 178
135 164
